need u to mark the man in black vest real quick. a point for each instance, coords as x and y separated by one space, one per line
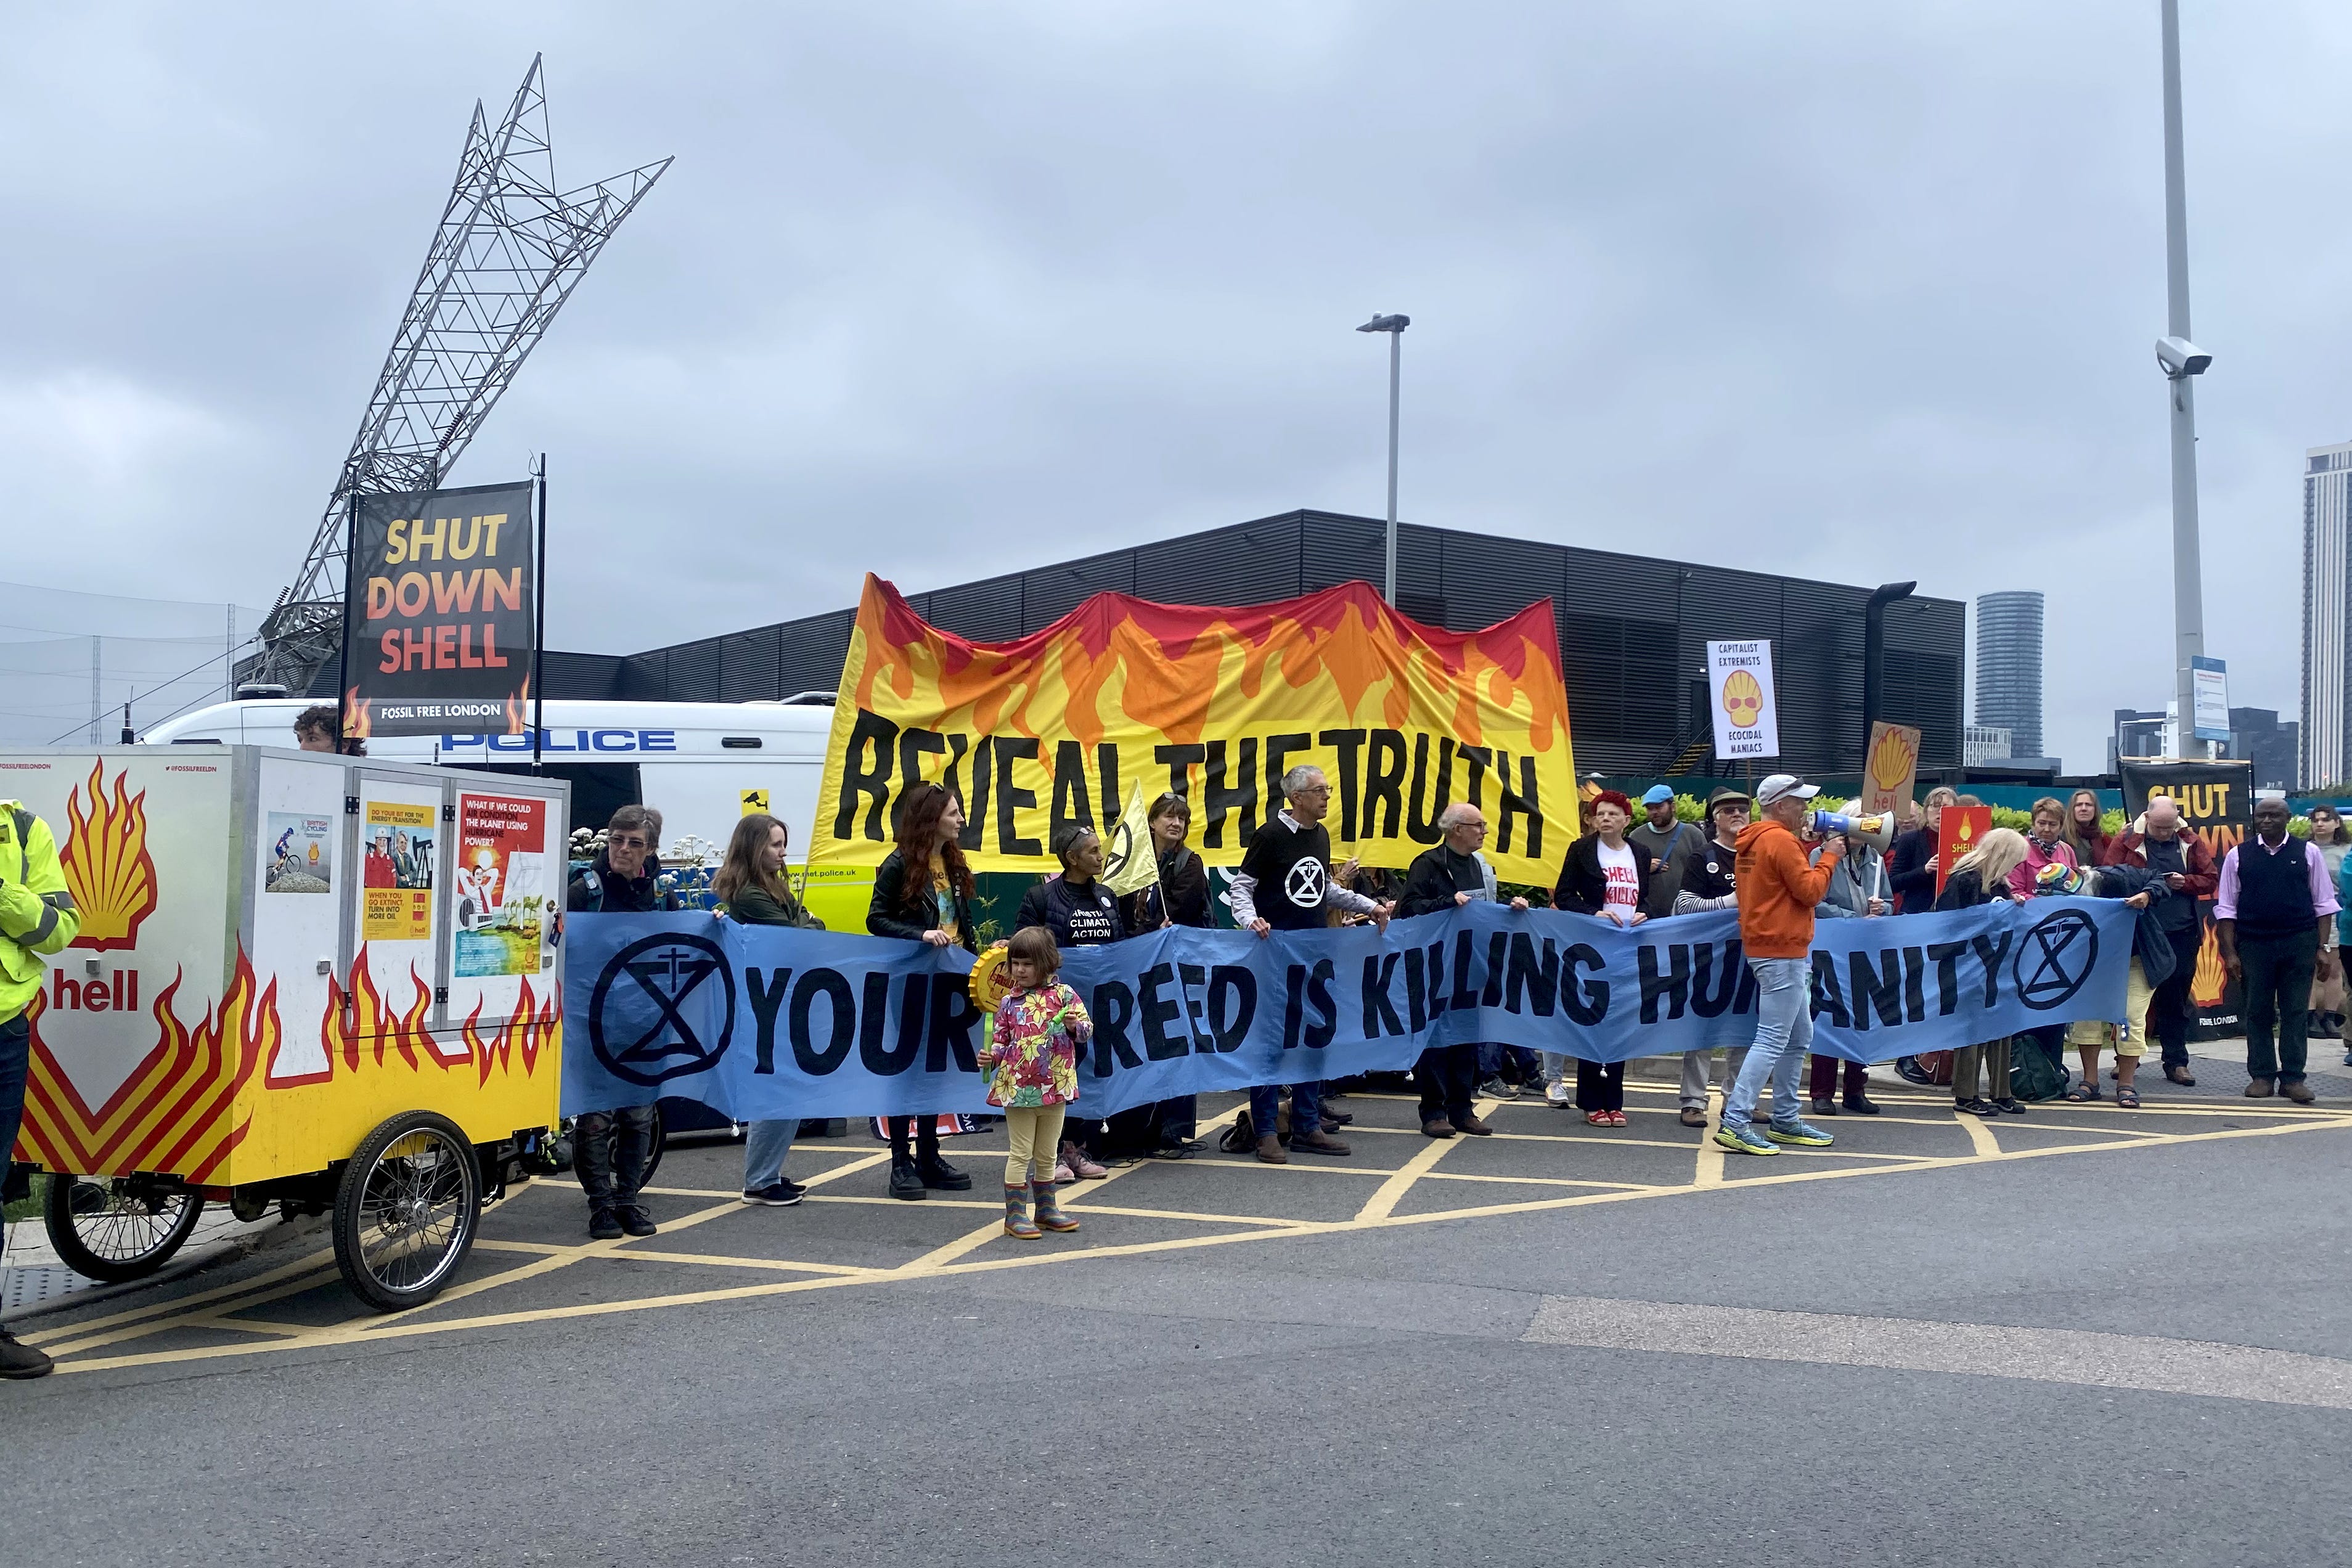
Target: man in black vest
2275 900
1286 884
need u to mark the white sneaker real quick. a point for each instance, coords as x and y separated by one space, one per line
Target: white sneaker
1556 1094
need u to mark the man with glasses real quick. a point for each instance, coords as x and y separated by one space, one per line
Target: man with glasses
1448 876
609 1147
1286 884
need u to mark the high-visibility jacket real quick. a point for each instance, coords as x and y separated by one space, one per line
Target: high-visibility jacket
37 913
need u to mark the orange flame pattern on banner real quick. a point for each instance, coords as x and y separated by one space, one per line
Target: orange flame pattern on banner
106 863
174 1115
1162 666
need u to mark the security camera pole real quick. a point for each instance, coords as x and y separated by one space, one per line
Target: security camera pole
1394 327
2188 580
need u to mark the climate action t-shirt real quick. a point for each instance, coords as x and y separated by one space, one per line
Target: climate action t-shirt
1292 866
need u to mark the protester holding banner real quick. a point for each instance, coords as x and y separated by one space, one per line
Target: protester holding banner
1857 890
1179 898
2157 842
1289 858
1448 876
1608 876
922 892
1031 1063
1709 881
1077 911
2273 898
1910 863
1778 890
609 1147
1984 875
751 890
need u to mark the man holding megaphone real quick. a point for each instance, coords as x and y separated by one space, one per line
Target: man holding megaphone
1778 890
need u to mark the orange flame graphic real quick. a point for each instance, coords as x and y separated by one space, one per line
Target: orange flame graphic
532 1027
107 866
519 710
356 724
358 1029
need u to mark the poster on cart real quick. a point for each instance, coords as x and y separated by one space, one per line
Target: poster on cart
400 847
504 895
302 856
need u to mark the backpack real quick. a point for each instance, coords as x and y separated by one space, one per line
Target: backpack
2032 1075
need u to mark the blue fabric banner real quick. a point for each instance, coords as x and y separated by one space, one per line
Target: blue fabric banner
768 1022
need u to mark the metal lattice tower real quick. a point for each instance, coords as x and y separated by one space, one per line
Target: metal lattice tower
509 250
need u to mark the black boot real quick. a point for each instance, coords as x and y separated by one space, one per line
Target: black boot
20 1361
936 1172
603 1222
906 1182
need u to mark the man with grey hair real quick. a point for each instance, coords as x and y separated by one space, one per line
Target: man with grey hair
609 1148
1448 876
1284 883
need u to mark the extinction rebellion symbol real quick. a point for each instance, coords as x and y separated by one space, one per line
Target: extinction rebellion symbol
2055 959
648 1038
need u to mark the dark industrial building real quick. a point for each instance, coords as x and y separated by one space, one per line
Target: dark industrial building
1633 633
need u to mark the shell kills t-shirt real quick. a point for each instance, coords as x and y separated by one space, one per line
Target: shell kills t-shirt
1623 894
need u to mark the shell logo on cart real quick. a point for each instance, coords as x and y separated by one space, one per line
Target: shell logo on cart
106 863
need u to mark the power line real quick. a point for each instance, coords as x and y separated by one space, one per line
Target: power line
224 653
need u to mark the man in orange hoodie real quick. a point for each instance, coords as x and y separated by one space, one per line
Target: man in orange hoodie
1778 890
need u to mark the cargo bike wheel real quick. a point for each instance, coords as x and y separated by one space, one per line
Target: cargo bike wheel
116 1229
406 1210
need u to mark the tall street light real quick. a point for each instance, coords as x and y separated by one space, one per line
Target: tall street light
1394 327
2181 360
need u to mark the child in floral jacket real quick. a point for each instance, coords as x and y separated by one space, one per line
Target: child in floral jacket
1032 1062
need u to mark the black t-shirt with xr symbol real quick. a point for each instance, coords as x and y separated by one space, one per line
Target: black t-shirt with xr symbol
1291 868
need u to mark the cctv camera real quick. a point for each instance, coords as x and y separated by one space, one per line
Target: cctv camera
2180 357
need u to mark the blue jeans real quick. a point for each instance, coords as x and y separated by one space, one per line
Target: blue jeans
1523 1062
1784 1037
1306 1108
765 1143
15 1057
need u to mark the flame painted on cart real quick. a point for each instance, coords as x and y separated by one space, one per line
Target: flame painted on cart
177 1112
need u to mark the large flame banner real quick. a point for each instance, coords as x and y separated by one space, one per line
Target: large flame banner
1214 704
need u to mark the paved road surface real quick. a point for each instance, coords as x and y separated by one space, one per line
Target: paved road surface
2079 1338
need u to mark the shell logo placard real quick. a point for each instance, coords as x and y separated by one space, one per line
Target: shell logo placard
1892 768
108 870
1743 700
1746 723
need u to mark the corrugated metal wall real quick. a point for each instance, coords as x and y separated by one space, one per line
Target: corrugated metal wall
1633 631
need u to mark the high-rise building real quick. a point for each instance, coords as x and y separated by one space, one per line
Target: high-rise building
2140 733
1985 743
2009 667
2256 734
2326 610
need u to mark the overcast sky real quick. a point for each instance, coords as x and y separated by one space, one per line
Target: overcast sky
1849 291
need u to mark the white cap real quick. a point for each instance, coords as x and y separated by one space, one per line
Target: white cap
1784 786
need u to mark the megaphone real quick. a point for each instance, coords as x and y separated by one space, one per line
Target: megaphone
1878 832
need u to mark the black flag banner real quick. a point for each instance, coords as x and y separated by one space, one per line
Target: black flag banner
2217 804
438 602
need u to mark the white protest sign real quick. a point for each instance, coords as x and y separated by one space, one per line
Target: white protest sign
1747 719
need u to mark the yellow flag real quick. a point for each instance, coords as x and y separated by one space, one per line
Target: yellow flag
1129 862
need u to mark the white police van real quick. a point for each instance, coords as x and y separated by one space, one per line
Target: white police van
702 764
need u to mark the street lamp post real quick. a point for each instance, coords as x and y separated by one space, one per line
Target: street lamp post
1394 327
2181 360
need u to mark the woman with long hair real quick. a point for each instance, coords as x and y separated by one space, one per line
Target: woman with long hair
1983 877
750 888
1605 875
922 892
2083 829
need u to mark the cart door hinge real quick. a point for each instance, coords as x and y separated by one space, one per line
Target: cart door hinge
441 994
351 806
448 813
